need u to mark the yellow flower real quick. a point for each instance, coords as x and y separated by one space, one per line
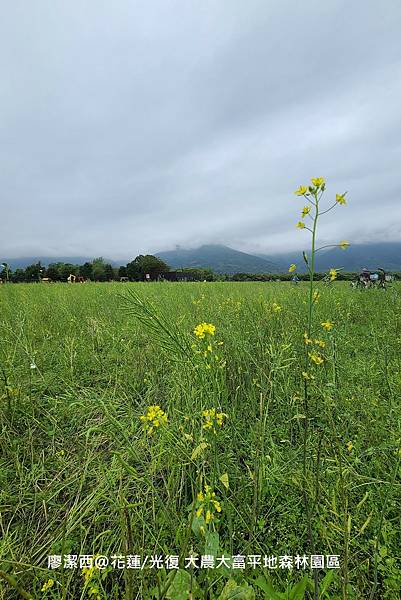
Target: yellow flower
320 343
307 376
333 274
208 503
46 586
212 418
276 307
327 325
292 268
305 211
300 225
203 328
301 190
154 418
318 181
350 445
340 199
307 340
219 419
315 357
87 572
343 245
316 296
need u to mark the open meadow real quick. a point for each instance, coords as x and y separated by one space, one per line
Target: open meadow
246 462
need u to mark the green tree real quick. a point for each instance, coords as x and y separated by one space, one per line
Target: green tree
108 272
133 271
18 276
86 270
53 271
6 272
122 272
200 274
148 264
67 269
34 272
99 269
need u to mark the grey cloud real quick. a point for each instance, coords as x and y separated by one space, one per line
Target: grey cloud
133 126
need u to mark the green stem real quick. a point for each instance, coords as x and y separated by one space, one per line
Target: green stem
14 583
308 508
312 266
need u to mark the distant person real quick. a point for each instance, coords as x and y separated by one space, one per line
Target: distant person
295 279
382 278
364 277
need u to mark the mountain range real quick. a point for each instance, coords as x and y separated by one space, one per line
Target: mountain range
223 259
386 255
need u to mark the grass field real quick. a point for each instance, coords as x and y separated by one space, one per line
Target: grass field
82 474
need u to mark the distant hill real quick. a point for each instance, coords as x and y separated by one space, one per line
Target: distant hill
373 255
223 259
220 259
385 255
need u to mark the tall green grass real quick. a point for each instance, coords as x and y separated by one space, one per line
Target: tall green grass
79 474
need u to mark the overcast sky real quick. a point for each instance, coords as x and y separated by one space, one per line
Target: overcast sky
130 126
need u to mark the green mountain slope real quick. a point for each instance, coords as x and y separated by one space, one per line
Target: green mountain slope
220 259
373 255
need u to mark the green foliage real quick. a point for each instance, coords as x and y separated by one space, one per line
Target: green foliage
79 474
145 265
233 591
101 271
181 586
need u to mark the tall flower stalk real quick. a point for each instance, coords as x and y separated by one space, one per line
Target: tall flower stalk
313 195
313 355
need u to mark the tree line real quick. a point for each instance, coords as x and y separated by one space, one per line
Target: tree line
141 268
96 270
138 270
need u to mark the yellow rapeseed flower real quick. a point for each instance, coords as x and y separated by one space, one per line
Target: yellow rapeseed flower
350 445
203 328
327 325
301 190
315 357
46 586
340 199
88 572
318 181
276 307
154 418
344 245
212 418
307 376
333 274
305 211
307 339
300 225
292 268
316 296
208 504
320 343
